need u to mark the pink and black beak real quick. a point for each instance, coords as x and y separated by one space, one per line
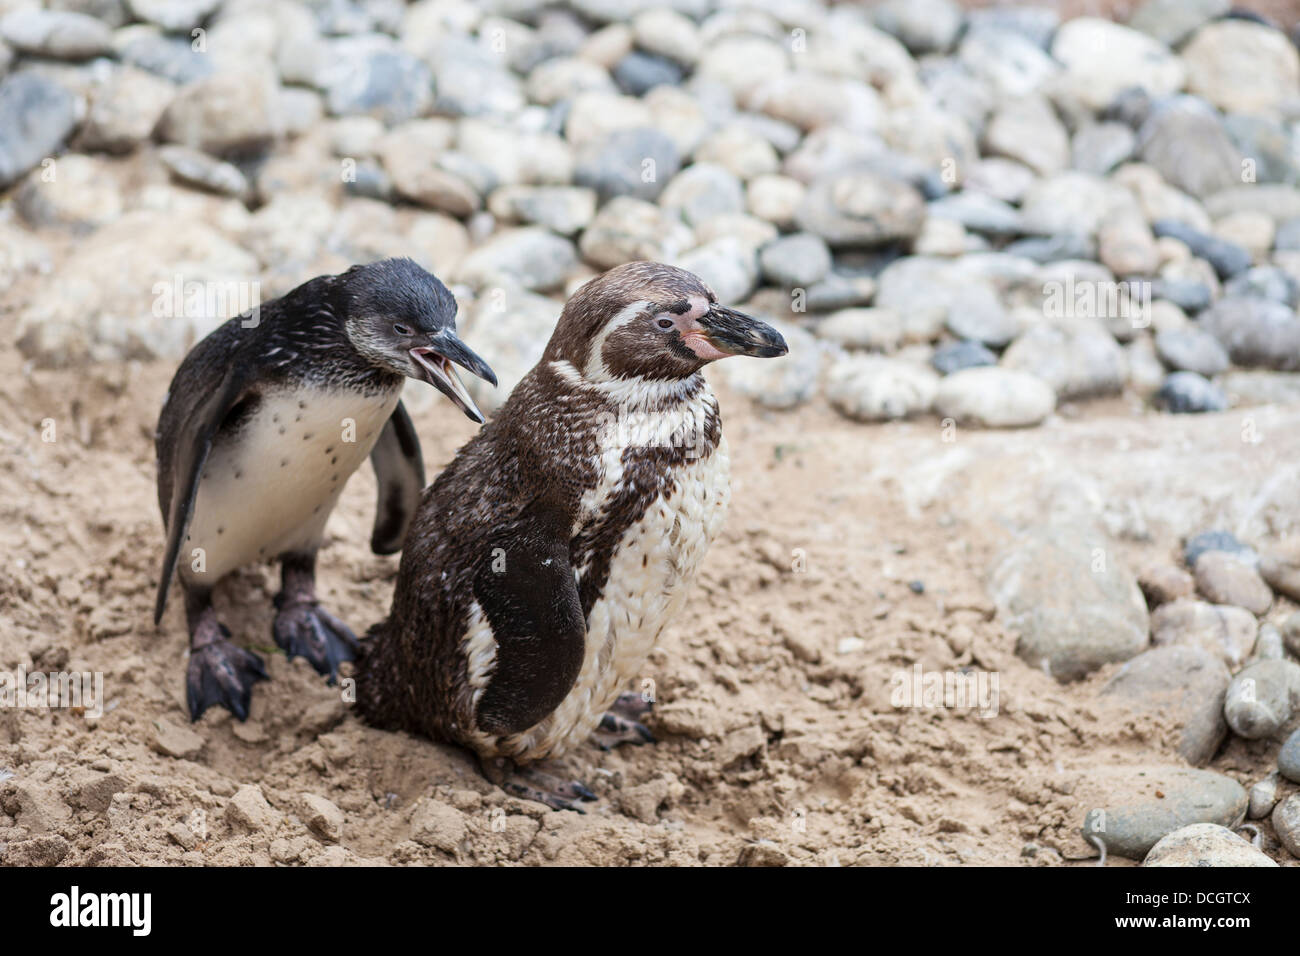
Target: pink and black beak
436 361
720 332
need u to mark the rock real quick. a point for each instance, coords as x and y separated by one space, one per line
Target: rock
994 397
1242 67
248 810
923 26
171 57
1256 332
1263 797
638 73
1077 360
1286 823
1261 698
1162 583
107 299
1191 350
1225 541
94 791
668 33
513 326
745 152
1066 246
634 162
872 389
784 384
728 266
36 116
1288 758
1185 684
1072 202
982 318
861 209
1185 294
1277 201
1227 258
1036 24
1225 579
880 330
562 209
371 75
1138 806
471 80
45 850
840 292
702 191
172 741
80 197
1185 140
200 169
405 153
977 212
955 356
1145 373
1131 59
438 825
1267 145
322 816
1226 632
529 257
1072 610
1097 148
1173 21
232 113
1027 130
1205 844
174 16
1262 388
1012 64
125 110
56 33
1126 246
626 229
777 198
1280 567
795 261
1263 282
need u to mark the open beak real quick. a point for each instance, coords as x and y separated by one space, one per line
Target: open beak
435 361
734 333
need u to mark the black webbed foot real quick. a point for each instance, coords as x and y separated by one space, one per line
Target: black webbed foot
222 673
533 783
305 629
615 730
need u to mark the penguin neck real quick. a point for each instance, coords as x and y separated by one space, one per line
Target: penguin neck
642 395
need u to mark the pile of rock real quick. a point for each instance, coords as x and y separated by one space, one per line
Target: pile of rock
979 214
1200 653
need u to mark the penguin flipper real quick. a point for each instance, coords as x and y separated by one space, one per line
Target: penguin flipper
399 469
188 459
537 622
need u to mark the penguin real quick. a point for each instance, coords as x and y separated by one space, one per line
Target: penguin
544 562
264 422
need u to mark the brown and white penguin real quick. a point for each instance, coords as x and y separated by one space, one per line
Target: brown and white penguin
544 563
265 421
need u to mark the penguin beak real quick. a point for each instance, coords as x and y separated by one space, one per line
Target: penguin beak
435 361
734 333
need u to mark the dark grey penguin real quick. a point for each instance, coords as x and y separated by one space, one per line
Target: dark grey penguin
545 561
265 421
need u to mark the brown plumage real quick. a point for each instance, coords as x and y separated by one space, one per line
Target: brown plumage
509 632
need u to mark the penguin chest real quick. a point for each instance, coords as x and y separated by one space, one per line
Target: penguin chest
651 569
269 485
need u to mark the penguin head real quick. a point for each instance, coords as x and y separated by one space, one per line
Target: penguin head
403 319
647 320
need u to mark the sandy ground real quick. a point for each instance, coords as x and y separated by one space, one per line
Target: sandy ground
778 739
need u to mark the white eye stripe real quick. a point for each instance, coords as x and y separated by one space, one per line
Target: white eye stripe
596 370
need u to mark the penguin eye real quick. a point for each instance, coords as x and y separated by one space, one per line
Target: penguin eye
665 324
401 329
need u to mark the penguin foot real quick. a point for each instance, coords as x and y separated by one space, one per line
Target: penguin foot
615 729
221 673
305 629
533 783
632 706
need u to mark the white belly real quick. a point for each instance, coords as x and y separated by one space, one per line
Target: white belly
649 578
270 490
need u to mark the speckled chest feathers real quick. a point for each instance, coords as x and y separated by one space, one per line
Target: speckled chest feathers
618 487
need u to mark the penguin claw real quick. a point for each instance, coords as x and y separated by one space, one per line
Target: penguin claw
222 673
532 783
307 630
615 729
632 706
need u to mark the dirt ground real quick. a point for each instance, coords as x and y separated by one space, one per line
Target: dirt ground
778 739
